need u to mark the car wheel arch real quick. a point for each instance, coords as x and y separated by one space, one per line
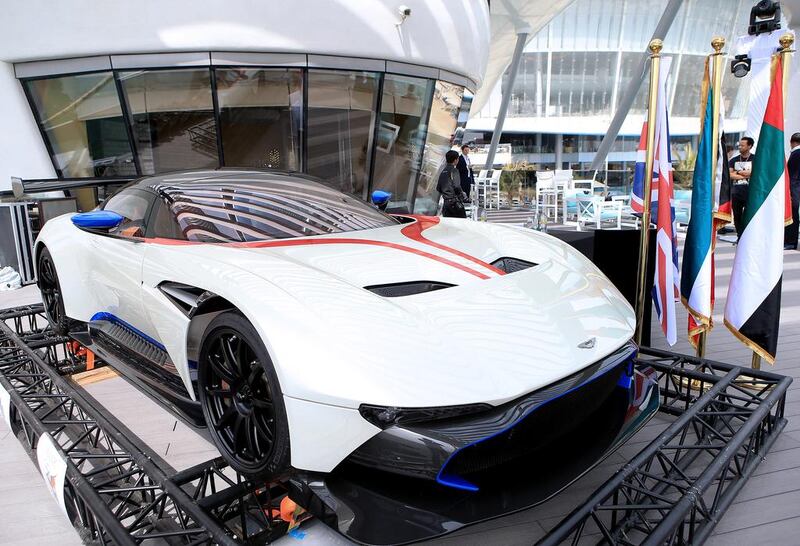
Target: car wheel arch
201 306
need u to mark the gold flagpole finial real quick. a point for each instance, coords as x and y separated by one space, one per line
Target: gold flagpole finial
655 46
718 42
786 41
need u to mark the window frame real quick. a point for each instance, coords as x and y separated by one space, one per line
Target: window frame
334 63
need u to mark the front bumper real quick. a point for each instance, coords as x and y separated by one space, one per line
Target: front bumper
466 451
416 482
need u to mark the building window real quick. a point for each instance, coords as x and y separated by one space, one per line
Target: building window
441 128
401 137
172 118
341 123
82 121
261 117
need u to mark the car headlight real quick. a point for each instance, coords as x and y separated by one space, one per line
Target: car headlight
386 416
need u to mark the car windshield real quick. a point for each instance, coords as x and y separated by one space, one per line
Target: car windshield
262 206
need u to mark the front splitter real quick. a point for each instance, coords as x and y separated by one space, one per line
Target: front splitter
374 507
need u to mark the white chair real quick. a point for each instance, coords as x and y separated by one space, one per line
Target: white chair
547 194
487 188
563 179
569 209
594 209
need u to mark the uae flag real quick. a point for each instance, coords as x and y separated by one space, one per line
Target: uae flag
752 311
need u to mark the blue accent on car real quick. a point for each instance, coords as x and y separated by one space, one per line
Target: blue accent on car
460 483
116 320
97 219
626 377
379 197
456 482
192 364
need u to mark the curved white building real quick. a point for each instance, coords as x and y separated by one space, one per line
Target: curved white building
354 92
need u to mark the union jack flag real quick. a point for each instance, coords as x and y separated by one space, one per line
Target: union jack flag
638 178
666 288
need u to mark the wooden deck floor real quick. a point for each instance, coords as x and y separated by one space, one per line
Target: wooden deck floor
766 512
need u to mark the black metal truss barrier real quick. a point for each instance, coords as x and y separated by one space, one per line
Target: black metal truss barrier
117 491
676 489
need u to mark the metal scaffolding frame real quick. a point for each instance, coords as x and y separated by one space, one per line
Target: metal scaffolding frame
119 491
676 489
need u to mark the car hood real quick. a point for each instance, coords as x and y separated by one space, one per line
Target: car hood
491 337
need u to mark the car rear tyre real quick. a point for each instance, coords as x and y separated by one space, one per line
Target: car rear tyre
242 399
52 297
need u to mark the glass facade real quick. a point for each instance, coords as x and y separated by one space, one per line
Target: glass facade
341 126
579 64
442 124
172 115
82 120
401 136
261 117
358 130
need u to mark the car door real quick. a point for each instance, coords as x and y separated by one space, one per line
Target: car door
116 259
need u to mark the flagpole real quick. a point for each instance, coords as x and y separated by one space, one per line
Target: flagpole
655 47
717 43
786 42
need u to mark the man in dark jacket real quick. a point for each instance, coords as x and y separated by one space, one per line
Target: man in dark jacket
450 187
793 164
465 170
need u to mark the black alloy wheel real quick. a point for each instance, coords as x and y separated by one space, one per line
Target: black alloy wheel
52 297
242 401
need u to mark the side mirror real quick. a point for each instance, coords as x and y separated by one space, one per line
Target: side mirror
97 219
381 199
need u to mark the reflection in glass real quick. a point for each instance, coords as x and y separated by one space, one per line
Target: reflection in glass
401 137
260 116
341 122
582 83
173 118
82 120
443 119
527 97
686 100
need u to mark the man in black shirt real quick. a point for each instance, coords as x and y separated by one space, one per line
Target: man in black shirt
793 166
449 186
740 168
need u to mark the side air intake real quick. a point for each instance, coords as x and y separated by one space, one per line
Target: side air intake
512 265
397 290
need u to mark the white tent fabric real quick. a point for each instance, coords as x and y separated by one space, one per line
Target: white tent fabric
508 18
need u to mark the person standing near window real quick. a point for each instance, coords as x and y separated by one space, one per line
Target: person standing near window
740 168
450 188
465 170
793 165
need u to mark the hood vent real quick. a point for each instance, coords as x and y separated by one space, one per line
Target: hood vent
399 289
512 265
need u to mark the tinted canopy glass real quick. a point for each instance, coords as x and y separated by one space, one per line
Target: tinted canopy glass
258 207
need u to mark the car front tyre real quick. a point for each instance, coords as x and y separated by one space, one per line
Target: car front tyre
52 297
242 399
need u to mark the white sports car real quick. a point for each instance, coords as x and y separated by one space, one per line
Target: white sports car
312 332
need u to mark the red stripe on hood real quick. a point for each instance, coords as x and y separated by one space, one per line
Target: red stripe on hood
414 232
